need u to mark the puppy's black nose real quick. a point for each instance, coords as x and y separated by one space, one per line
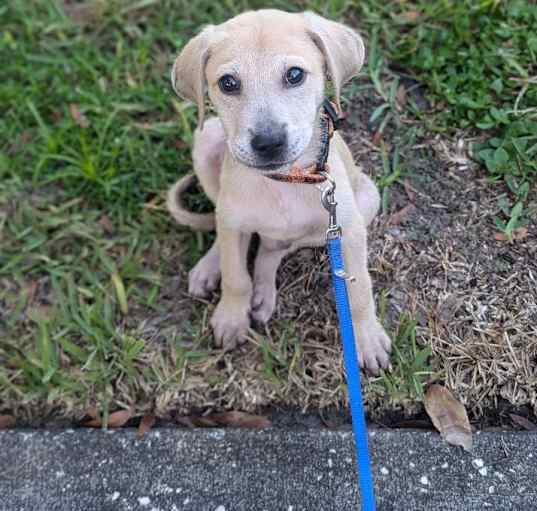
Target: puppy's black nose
269 144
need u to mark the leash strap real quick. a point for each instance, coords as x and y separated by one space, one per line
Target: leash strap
353 376
339 278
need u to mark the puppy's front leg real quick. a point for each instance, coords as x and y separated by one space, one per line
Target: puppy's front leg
373 345
231 320
270 254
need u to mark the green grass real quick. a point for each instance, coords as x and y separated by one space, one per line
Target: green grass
73 195
478 60
91 135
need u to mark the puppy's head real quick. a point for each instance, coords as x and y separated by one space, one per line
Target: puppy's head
264 72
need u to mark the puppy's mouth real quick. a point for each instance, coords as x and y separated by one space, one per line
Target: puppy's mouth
266 167
278 165
271 167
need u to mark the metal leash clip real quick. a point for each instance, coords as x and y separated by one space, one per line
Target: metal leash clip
328 200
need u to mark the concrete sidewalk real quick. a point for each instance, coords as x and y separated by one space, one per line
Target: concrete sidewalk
274 469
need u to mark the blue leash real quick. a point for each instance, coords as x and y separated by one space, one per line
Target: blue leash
339 277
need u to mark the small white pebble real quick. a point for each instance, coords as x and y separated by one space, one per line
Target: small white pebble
331 451
115 496
60 473
412 465
445 465
220 508
186 501
483 471
424 480
491 489
478 463
330 463
319 477
499 475
384 471
144 501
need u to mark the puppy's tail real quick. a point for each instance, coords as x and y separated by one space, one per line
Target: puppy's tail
196 221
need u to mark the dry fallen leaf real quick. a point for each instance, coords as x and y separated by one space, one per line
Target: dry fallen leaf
31 291
92 412
448 416
191 421
115 420
78 116
106 224
7 421
400 216
377 138
180 144
40 312
518 234
410 16
233 419
400 96
83 12
56 116
153 203
147 422
523 422
410 191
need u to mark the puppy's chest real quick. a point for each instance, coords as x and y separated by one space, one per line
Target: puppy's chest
281 213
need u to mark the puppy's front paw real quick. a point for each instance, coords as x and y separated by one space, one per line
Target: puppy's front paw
204 277
373 346
230 325
263 302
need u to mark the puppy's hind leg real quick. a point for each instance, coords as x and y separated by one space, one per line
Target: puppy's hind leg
367 198
208 153
204 277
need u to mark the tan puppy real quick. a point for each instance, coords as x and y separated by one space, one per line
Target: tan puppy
265 72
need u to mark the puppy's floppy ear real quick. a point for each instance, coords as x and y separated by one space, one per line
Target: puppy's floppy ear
188 71
342 47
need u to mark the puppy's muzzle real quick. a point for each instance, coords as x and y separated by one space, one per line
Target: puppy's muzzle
269 144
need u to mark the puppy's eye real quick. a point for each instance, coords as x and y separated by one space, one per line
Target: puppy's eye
229 84
294 76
